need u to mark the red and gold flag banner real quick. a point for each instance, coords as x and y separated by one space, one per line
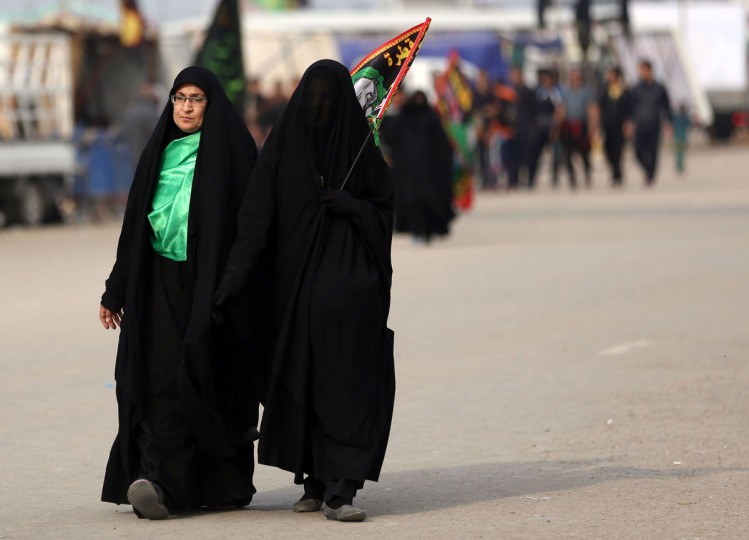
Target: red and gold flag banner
455 107
454 92
377 77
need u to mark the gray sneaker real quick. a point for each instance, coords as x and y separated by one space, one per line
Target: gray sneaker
147 499
307 505
347 512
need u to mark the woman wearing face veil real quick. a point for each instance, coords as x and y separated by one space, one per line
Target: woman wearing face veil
422 165
329 401
187 417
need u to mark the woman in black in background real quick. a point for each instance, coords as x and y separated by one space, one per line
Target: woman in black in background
329 402
187 415
422 168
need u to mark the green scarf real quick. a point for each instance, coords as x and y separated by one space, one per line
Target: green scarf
171 202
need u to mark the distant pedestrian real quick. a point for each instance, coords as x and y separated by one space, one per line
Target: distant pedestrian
548 103
421 168
502 133
579 115
681 124
270 110
483 103
524 120
139 119
255 102
650 107
614 105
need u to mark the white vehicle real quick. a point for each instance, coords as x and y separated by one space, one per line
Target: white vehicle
37 154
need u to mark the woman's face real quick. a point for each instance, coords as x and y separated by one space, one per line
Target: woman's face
319 103
188 115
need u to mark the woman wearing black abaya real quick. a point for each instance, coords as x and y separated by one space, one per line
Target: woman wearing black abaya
187 417
422 163
331 380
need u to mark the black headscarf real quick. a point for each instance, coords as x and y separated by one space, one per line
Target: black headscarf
226 157
332 276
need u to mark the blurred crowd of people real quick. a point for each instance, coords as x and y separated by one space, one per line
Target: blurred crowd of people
501 134
263 110
563 121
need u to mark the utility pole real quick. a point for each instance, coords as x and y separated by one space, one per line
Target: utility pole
582 21
541 6
624 16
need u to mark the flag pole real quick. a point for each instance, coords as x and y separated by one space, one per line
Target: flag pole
356 159
391 92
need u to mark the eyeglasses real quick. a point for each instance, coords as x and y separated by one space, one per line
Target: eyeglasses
195 101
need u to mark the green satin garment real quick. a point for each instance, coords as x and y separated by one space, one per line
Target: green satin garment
171 202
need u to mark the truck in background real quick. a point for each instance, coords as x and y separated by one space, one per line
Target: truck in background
37 152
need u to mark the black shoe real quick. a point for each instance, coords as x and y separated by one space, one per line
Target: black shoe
147 500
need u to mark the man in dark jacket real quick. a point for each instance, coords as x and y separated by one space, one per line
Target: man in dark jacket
549 102
524 120
650 104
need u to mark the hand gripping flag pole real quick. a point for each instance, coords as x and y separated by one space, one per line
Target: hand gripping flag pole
378 76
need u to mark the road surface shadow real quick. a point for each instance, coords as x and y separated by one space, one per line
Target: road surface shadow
426 490
439 488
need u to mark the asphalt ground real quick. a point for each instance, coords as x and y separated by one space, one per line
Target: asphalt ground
570 365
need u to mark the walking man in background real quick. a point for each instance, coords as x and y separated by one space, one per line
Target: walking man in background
548 105
650 104
579 113
524 120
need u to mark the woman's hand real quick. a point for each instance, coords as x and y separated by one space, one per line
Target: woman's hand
341 203
220 299
110 320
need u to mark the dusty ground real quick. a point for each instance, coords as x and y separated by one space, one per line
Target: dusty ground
569 366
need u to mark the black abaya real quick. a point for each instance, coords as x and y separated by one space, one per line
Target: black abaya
331 378
187 414
422 166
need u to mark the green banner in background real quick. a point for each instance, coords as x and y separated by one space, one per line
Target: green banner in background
277 5
222 52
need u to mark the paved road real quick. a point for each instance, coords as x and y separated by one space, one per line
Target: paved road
569 366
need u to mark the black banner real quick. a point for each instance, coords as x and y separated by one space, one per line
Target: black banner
377 77
222 52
